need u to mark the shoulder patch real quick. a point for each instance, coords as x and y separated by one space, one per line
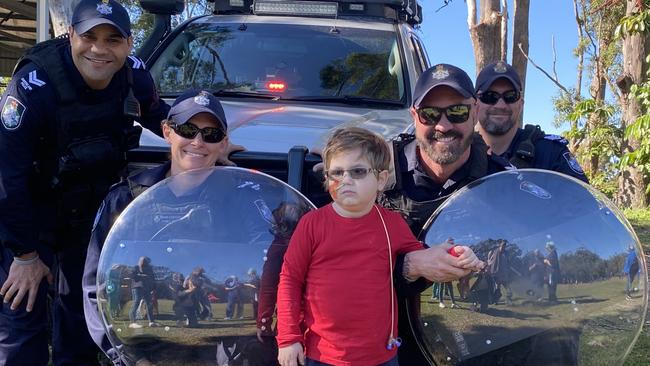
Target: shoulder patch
136 63
31 81
12 113
573 163
557 138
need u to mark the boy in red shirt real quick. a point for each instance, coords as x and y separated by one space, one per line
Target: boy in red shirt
336 280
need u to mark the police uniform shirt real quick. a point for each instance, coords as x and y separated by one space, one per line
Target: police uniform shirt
551 153
418 186
28 109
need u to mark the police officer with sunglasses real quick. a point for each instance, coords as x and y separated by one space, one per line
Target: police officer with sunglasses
442 156
196 130
500 105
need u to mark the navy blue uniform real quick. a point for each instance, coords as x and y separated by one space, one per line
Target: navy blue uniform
167 208
416 196
29 132
115 202
550 153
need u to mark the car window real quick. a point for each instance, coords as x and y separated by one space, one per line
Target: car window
291 60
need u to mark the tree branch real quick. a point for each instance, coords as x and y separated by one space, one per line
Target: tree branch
504 30
471 14
554 80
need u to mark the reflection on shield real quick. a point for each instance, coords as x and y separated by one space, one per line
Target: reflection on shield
183 266
553 290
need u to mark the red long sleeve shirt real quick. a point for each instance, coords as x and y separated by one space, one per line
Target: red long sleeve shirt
336 271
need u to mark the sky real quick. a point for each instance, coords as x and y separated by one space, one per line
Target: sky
446 38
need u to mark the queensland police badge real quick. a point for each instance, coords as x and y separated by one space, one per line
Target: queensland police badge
12 113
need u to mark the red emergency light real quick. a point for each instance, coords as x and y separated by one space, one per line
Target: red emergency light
277 86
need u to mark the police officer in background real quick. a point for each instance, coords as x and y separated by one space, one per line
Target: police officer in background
67 122
500 105
444 155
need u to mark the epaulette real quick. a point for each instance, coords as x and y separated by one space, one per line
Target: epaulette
136 63
557 138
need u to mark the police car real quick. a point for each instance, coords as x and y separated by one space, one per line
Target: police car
290 72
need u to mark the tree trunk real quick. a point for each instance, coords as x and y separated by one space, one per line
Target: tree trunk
486 35
61 15
520 37
631 183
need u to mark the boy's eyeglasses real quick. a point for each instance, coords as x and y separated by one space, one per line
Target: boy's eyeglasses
210 135
491 97
355 173
457 113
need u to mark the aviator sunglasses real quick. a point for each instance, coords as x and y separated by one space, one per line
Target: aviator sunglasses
491 97
355 173
210 135
457 113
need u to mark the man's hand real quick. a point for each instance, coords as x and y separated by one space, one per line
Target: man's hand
436 264
24 279
230 149
292 355
467 258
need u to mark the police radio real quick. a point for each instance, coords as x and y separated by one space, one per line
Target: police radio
131 105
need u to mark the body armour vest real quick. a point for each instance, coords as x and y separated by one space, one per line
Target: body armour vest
417 213
83 148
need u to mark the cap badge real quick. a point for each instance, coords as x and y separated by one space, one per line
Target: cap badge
104 8
440 73
500 67
202 99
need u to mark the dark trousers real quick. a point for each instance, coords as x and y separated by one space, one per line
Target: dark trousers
310 362
23 335
138 294
71 342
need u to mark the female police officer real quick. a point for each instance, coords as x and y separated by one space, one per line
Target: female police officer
196 131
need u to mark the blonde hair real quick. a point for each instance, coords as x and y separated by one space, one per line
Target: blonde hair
373 147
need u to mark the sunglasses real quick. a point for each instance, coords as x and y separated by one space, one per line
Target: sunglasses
210 135
457 113
491 97
355 173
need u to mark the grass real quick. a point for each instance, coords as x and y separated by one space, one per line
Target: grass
606 321
640 354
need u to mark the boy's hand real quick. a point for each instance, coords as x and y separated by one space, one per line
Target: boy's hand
467 259
292 355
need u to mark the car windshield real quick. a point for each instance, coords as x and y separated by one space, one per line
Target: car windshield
282 61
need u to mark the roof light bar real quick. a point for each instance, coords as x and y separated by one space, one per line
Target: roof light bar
313 8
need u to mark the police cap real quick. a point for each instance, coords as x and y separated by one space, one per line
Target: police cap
91 13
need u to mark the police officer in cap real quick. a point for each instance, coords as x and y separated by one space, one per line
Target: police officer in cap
500 105
67 122
443 156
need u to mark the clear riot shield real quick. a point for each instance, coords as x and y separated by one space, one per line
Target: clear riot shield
565 281
190 263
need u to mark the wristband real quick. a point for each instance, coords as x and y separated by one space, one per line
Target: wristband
23 262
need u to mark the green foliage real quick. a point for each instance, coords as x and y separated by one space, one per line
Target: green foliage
633 24
639 130
142 22
563 104
638 215
3 84
604 136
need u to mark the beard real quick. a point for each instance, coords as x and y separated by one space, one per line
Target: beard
444 154
497 128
